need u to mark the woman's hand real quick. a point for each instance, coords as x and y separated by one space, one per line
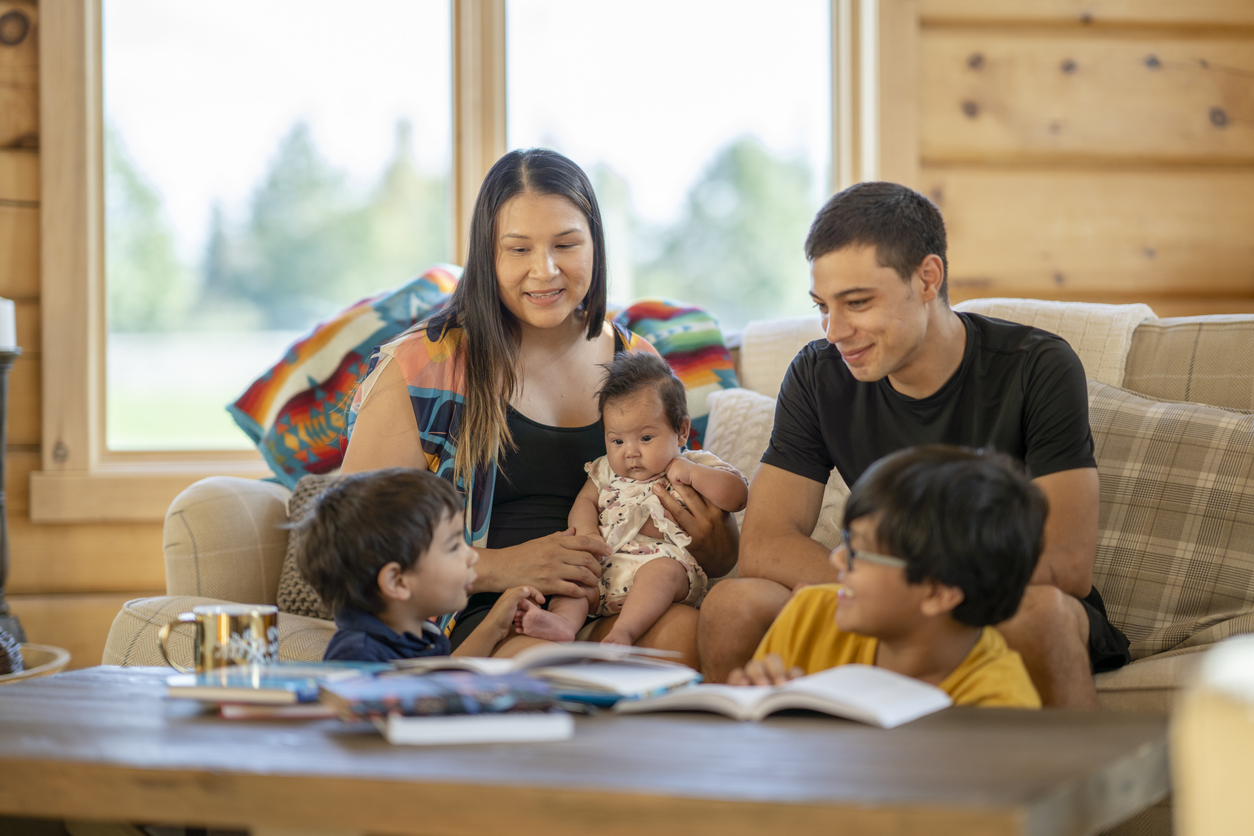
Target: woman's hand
564 563
715 540
767 671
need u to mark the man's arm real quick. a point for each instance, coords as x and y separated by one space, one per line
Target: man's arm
776 543
1070 530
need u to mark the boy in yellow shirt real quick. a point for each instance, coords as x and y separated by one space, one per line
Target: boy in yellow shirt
939 544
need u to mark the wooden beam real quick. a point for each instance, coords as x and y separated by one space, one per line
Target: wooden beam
72 232
19 251
899 87
1004 96
1040 232
19 75
1090 12
79 623
19 177
84 558
479 98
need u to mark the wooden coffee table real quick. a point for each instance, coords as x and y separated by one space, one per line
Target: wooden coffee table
103 744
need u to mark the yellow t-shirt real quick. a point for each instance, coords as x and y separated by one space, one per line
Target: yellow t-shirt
805 635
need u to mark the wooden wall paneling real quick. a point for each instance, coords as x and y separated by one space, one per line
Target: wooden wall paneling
1006 96
19 176
85 557
19 251
1041 232
29 330
18 464
25 404
899 62
19 75
78 623
1091 12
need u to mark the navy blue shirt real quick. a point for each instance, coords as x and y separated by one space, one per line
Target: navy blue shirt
362 637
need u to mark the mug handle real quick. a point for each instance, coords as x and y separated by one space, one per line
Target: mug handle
163 636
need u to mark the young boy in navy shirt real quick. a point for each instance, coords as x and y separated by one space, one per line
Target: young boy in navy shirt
386 551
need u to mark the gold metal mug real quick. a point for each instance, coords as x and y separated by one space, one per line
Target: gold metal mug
227 634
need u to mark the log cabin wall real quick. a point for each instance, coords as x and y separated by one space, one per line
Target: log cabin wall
66 582
1098 150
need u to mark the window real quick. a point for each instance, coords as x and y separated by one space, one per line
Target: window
248 198
87 471
708 139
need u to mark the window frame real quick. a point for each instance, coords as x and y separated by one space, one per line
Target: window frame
874 46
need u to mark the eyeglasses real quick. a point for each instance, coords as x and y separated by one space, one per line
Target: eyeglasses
852 554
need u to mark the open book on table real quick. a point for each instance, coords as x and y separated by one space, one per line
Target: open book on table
577 668
858 692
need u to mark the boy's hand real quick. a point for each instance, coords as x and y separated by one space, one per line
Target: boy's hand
767 671
506 613
679 471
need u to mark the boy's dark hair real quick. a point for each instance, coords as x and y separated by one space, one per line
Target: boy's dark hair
961 517
903 226
365 521
634 371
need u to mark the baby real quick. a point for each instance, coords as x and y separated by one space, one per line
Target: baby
644 413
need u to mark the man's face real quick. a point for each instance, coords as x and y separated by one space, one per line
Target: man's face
877 321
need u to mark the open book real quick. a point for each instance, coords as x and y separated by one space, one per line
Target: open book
859 692
580 667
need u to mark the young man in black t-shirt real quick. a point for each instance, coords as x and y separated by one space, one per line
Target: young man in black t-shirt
899 368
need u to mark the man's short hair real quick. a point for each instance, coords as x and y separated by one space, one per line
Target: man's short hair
903 226
632 372
961 517
364 521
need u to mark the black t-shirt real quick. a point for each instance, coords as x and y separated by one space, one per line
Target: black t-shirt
1019 391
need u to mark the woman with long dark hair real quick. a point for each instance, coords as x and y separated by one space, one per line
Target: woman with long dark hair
497 393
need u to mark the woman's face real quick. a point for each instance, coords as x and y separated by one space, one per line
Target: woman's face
544 255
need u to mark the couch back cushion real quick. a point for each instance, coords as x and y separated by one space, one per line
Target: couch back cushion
1175 552
1203 359
740 429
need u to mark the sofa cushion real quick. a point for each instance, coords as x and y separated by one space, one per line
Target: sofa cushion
1203 359
224 538
1101 335
133 641
295 595
1175 553
740 428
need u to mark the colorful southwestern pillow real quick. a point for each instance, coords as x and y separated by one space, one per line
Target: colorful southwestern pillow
295 412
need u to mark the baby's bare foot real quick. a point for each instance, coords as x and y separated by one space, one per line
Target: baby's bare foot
542 624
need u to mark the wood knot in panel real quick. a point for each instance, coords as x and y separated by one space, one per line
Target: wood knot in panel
1152 62
1069 66
971 109
14 27
1218 117
975 61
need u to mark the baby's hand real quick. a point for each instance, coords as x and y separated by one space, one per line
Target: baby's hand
507 611
680 471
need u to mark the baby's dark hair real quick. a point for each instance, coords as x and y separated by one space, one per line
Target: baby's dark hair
364 521
961 517
634 371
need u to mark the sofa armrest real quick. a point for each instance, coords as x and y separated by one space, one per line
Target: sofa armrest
225 538
133 637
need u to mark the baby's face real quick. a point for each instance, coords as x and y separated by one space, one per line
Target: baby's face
639 441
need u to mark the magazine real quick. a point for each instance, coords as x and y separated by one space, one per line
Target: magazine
283 683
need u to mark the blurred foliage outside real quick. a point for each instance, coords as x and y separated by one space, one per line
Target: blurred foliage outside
184 339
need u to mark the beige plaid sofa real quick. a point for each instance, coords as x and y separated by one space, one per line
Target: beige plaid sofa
1175 453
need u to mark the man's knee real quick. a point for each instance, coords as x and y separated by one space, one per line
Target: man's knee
750 601
1047 613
